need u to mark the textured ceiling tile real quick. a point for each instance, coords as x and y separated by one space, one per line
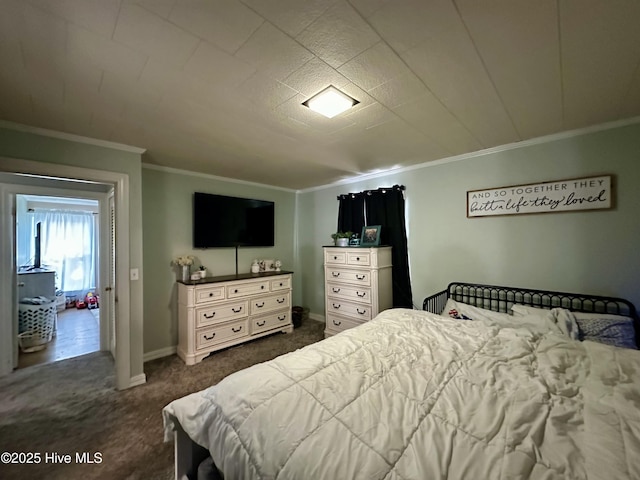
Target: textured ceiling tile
159 7
85 46
96 15
291 16
152 35
44 34
452 71
213 65
428 115
399 90
128 90
266 92
273 53
370 116
373 67
225 23
338 35
600 54
313 77
367 8
406 23
526 69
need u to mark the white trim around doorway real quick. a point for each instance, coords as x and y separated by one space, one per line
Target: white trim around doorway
120 182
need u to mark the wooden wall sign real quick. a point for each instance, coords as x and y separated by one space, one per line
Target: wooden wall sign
590 193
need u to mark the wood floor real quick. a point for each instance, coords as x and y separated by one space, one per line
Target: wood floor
78 334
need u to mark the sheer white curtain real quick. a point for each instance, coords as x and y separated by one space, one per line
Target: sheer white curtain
69 247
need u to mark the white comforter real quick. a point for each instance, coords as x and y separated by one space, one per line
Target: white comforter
411 395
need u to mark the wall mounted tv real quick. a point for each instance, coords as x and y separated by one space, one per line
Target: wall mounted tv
220 221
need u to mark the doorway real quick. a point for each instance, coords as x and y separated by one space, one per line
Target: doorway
42 173
57 253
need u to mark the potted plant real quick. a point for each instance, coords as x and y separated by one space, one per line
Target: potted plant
203 271
341 239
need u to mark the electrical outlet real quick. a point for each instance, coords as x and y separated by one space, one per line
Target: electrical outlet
134 274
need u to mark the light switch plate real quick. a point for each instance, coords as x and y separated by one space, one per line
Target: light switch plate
134 274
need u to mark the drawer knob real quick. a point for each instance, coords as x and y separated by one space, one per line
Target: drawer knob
209 338
209 316
261 324
260 305
280 283
335 274
235 291
262 287
337 324
280 300
360 277
236 311
335 290
336 306
211 294
335 258
281 318
236 331
358 259
361 312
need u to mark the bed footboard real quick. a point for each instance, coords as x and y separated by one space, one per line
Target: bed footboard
188 455
436 302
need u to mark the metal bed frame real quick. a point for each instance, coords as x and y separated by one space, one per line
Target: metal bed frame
501 299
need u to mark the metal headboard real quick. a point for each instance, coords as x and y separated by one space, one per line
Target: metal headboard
501 299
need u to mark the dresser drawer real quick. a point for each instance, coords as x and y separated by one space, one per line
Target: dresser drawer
221 313
258 306
206 337
247 288
353 310
267 322
209 293
348 292
338 324
359 258
283 283
344 275
335 257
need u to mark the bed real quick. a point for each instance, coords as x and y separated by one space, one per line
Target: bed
418 394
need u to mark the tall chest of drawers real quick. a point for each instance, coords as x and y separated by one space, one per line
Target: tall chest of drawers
219 312
357 285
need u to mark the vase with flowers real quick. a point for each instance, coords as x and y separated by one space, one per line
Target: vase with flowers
184 263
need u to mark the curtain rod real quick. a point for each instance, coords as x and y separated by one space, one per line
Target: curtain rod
369 192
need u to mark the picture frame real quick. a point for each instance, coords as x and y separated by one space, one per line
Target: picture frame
370 235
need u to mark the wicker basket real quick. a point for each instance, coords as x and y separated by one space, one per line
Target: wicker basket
35 325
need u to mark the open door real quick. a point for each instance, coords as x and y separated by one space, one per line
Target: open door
8 283
111 288
14 281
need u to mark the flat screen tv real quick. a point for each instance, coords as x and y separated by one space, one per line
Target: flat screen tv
221 221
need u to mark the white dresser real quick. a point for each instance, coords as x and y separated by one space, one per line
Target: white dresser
218 312
357 285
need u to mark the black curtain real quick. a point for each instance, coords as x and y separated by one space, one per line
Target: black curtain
351 213
385 207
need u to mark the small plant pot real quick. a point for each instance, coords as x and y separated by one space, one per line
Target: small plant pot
342 242
203 273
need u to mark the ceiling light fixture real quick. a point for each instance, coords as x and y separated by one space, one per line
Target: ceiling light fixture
330 102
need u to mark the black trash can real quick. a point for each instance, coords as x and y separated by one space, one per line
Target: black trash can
298 314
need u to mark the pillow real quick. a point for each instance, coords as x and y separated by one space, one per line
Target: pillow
464 311
541 323
564 321
610 329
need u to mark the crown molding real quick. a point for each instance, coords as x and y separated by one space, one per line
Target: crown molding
480 153
179 171
70 137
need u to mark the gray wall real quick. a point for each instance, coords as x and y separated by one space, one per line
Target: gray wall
167 224
590 252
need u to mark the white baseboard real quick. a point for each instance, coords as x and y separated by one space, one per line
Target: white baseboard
163 352
316 317
137 380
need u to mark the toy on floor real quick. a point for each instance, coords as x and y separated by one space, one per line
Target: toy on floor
91 300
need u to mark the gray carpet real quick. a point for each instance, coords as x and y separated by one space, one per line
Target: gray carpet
71 407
